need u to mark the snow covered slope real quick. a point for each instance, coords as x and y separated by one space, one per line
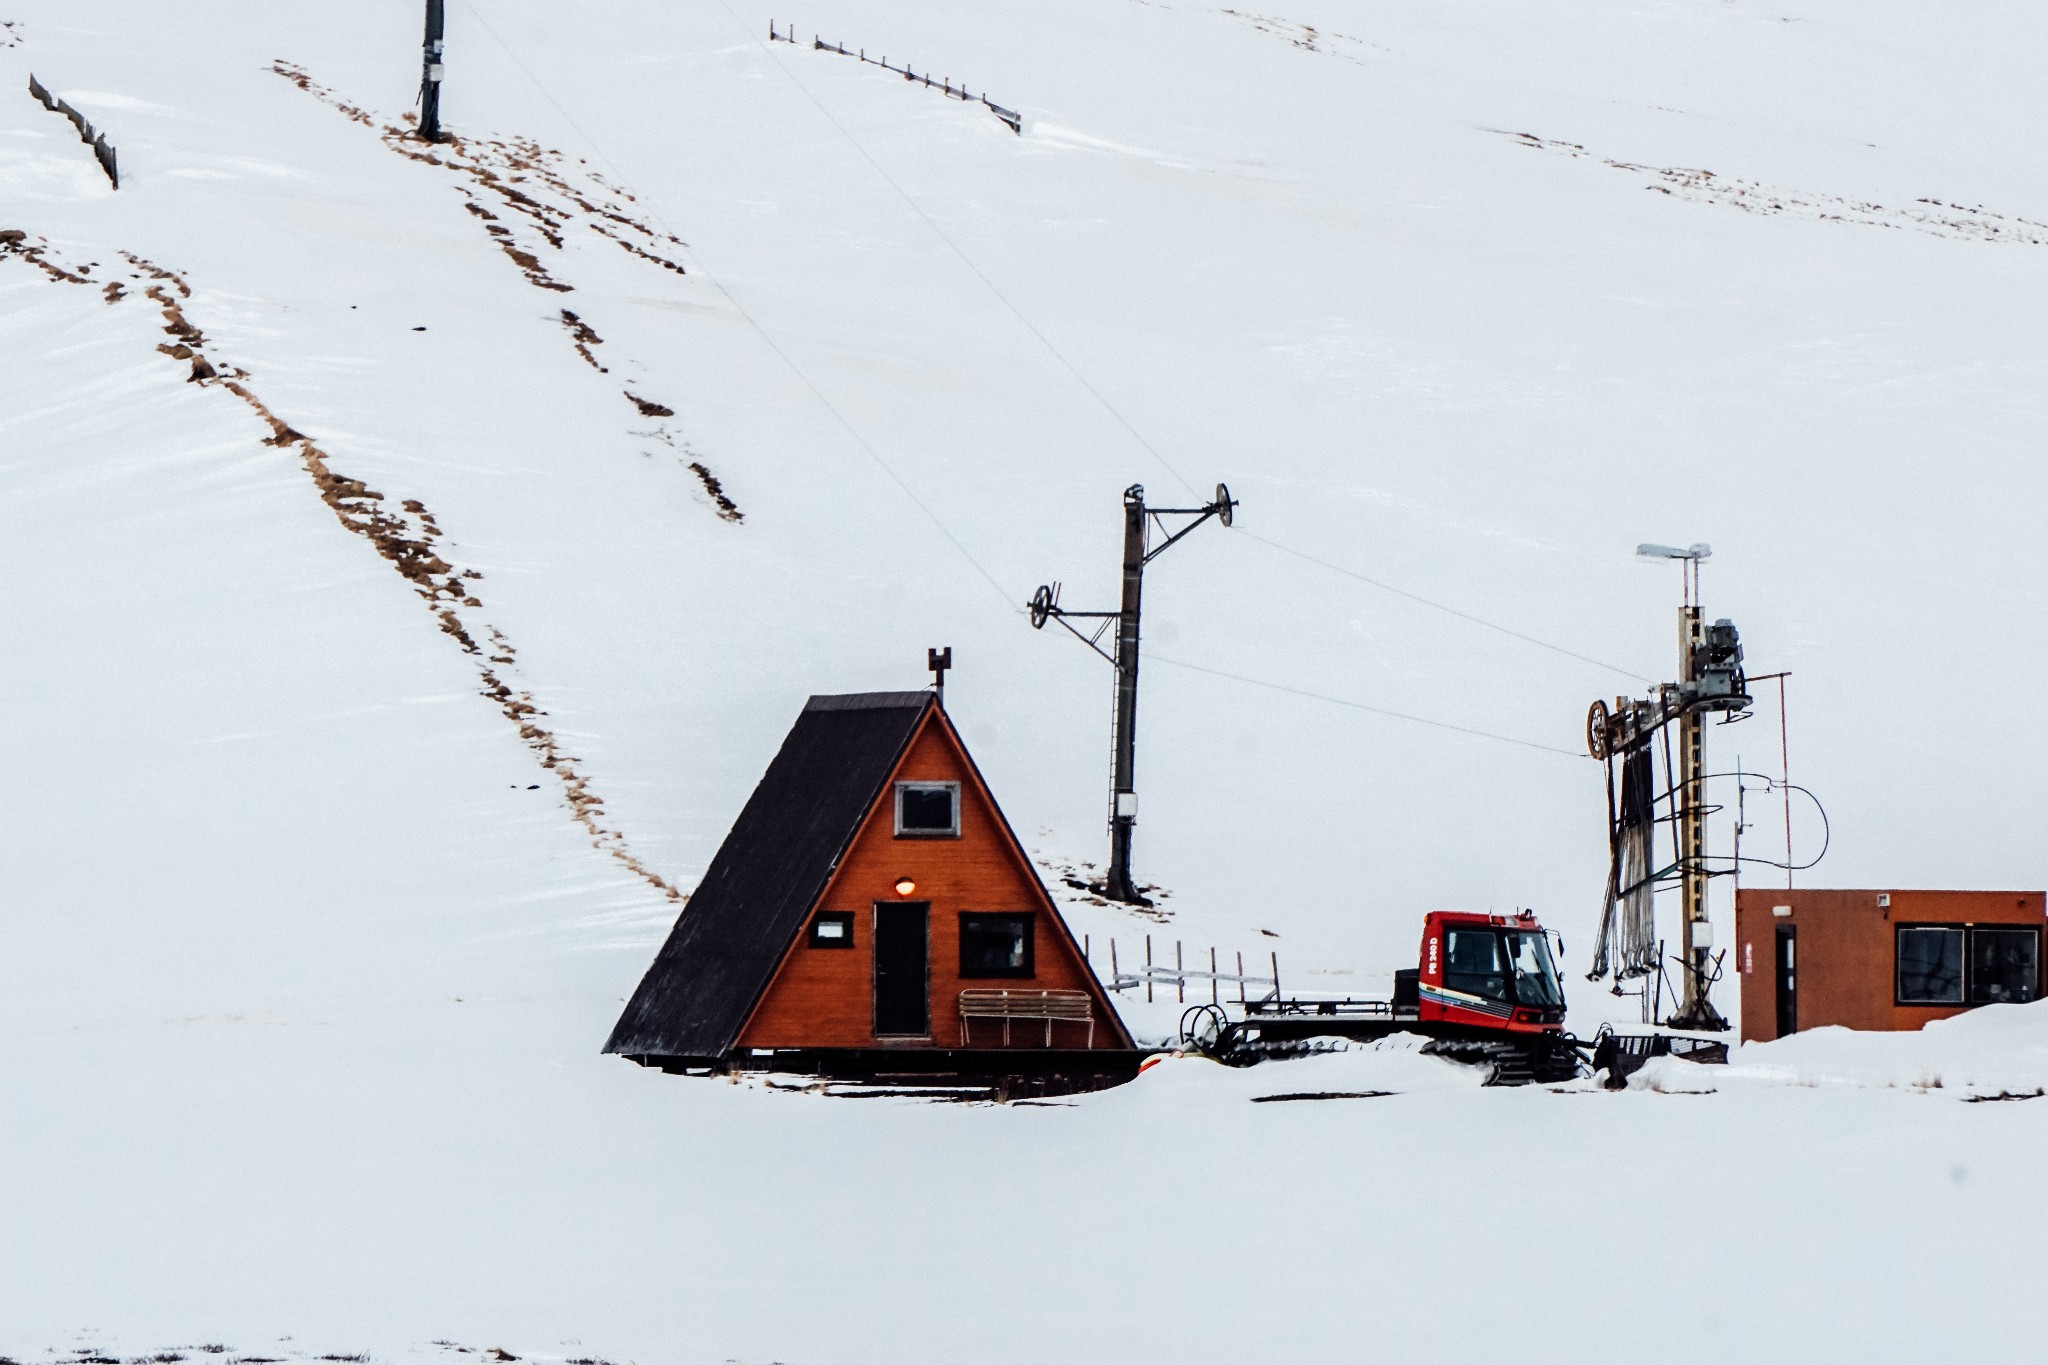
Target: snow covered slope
375 693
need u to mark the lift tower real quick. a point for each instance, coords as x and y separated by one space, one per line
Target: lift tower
1045 606
1710 679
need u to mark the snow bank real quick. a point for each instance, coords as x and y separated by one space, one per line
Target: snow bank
1997 1052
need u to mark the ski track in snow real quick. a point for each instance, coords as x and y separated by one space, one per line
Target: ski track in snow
1931 216
409 539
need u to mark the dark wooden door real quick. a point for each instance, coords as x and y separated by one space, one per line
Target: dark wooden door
1788 981
902 993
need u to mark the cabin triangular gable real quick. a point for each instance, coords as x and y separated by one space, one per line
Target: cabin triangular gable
758 891
824 993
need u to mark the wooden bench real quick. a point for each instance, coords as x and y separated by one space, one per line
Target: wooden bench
1049 1007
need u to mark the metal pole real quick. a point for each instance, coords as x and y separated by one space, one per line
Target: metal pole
1123 809
1694 1009
1148 969
430 74
1785 776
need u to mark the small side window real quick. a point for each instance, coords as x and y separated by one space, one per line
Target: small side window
927 810
832 929
996 945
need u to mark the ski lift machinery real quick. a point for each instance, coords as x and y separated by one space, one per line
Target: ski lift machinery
1711 681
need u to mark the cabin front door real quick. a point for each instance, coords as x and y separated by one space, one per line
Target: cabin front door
902 991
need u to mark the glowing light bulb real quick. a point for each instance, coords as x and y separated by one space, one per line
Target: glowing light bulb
905 887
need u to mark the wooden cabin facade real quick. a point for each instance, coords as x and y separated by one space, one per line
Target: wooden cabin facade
872 915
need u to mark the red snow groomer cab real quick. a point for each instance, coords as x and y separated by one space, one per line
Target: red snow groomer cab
1492 973
1484 989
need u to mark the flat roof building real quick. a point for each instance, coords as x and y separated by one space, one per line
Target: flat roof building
1885 960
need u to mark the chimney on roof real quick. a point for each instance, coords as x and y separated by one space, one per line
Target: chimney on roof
938 661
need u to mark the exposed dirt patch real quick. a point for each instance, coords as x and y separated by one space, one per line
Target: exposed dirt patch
407 536
529 199
10 33
727 509
585 336
1931 216
649 408
15 242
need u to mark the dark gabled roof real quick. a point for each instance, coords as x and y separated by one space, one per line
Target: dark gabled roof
767 874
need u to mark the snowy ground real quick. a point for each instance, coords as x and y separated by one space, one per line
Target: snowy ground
341 824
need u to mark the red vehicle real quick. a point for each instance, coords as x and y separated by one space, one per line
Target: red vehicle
1484 989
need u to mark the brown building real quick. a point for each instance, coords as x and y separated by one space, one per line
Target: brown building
871 914
1882 959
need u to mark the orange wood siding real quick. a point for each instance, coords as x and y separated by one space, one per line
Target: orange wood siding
1845 964
824 997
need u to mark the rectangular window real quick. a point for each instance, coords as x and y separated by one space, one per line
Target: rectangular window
1472 964
927 810
996 945
832 929
1930 958
2005 965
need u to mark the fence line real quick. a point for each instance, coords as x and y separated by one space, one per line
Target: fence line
1159 976
944 85
101 148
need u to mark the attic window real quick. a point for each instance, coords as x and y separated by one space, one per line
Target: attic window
832 929
996 945
927 810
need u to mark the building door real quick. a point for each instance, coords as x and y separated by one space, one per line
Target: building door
1788 984
902 1004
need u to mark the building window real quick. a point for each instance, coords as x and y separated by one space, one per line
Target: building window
832 929
2005 965
927 810
996 945
1930 958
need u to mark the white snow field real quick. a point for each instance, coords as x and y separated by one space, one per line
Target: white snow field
372 697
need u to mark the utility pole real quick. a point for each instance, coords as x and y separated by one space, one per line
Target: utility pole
430 73
1123 787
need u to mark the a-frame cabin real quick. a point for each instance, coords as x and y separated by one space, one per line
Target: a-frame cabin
872 916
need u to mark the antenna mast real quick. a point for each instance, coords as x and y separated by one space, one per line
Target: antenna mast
1045 606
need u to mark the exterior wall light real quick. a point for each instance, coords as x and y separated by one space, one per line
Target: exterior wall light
905 887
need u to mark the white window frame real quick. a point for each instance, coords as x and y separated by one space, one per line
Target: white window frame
951 788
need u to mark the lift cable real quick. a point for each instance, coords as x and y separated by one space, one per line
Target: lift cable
1445 607
1010 599
1015 312
1362 706
1103 399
